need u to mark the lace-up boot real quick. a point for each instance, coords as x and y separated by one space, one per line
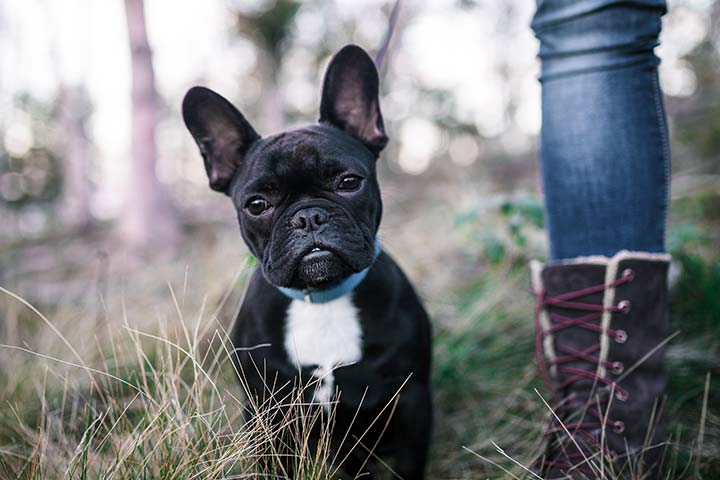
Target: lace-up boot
602 325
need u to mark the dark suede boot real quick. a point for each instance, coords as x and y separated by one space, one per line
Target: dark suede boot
602 325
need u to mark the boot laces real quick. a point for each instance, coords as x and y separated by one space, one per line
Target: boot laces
567 354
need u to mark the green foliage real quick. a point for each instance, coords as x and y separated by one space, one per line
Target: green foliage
701 131
483 378
695 353
700 207
272 25
528 209
493 249
696 302
684 235
503 233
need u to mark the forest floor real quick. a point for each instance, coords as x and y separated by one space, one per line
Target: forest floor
111 371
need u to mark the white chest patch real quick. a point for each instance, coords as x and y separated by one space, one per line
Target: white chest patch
324 334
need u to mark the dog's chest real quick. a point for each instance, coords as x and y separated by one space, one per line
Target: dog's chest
326 336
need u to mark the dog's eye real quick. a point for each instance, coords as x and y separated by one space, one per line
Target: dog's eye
257 206
349 183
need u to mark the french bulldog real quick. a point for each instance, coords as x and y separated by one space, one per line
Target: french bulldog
327 304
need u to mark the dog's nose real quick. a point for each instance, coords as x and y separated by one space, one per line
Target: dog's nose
309 219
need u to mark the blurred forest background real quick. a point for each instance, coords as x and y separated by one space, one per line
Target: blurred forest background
106 220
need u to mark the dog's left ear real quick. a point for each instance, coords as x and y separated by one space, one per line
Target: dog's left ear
220 131
350 97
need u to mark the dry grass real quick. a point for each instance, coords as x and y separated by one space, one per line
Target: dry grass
151 398
145 405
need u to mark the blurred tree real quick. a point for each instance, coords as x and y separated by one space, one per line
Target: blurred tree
698 117
72 109
75 110
30 169
270 30
149 223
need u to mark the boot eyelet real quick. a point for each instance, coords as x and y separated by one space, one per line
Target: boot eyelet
622 395
617 368
628 274
619 426
624 306
620 336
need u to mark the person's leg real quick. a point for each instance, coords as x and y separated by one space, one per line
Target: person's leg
602 299
604 148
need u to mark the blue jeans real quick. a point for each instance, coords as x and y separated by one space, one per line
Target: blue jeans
604 154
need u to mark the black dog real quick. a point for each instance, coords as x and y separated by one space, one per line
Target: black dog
328 303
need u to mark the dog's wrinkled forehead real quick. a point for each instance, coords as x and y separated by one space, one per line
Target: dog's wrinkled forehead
302 158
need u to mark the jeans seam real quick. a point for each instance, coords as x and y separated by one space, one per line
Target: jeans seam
665 146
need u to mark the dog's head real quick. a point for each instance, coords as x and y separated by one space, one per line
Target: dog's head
307 200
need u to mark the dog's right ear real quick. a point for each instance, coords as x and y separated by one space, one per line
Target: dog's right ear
350 97
221 132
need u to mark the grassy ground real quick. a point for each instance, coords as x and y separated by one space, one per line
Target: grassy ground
126 374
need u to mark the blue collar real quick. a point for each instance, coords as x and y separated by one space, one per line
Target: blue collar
334 292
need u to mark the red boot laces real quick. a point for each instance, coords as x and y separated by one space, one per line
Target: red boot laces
589 321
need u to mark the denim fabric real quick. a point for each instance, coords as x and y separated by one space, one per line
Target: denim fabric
604 155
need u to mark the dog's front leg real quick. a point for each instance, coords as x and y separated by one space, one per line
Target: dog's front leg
413 428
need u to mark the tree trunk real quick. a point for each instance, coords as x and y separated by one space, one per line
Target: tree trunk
149 224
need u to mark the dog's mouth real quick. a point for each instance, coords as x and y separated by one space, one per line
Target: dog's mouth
320 267
320 258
